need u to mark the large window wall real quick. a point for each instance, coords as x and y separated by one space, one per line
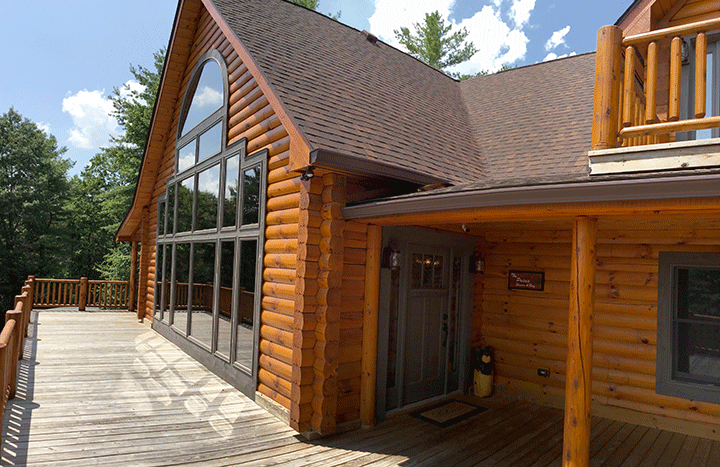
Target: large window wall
210 235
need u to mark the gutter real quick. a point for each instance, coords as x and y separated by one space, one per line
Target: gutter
695 186
343 163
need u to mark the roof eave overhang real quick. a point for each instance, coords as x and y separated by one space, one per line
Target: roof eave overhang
354 165
696 186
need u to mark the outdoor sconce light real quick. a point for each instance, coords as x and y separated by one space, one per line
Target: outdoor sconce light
308 174
391 258
477 265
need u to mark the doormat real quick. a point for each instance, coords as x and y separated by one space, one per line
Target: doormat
448 413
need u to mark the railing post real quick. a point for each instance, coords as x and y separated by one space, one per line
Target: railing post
133 275
82 302
27 308
607 88
17 348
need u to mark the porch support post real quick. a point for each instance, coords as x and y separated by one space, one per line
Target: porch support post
370 325
133 274
606 104
144 265
578 383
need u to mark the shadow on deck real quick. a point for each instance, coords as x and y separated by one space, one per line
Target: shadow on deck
102 389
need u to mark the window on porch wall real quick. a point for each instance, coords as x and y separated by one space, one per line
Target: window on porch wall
688 354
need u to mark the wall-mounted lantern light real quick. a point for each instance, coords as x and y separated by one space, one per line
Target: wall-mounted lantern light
391 258
477 265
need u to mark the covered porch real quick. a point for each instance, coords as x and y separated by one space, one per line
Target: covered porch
99 388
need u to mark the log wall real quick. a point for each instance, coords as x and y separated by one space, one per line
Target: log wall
528 329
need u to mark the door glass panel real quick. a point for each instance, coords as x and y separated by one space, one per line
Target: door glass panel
246 303
166 283
227 267
159 307
230 198
417 269
251 196
208 192
182 287
203 292
437 272
210 142
186 190
427 280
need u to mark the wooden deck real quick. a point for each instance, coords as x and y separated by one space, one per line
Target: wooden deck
97 388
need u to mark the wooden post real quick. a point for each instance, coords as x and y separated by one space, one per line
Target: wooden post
629 88
578 384
82 300
651 84
607 88
133 274
370 325
27 309
700 74
17 347
675 79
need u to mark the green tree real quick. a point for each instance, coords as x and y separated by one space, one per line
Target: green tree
311 4
432 43
33 189
103 192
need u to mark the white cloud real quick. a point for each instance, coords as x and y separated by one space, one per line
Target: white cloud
93 124
208 97
44 127
557 38
554 56
498 41
129 87
520 11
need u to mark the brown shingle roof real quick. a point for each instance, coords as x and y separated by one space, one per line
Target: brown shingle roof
355 97
535 122
372 101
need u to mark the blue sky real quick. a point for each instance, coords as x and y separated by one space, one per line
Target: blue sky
62 59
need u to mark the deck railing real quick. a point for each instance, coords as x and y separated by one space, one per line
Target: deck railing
81 293
12 339
635 104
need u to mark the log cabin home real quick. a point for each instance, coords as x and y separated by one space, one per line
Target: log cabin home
331 225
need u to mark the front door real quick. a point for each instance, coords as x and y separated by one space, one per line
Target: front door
425 317
426 328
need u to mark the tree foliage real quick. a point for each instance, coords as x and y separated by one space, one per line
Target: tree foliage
33 189
432 43
311 4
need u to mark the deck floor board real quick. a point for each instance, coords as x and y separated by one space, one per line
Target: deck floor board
98 388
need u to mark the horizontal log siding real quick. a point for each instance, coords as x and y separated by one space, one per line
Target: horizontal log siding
351 324
528 329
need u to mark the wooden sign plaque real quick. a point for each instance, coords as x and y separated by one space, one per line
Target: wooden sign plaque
526 280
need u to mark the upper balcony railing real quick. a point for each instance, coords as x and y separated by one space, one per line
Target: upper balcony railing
640 97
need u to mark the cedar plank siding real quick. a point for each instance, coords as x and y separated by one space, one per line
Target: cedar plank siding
528 329
695 11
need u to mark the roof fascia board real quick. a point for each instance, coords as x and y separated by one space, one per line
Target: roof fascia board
344 163
300 147
697 186
126 231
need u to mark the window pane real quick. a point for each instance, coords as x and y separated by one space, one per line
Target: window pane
208 191
437 272
417 265
208 96
698 351
161 218
227 254
166 285
210 142
182 280
251 196
185 189
232 168
159 306
246 306
186 156
698 293
203 290
170 210
427 271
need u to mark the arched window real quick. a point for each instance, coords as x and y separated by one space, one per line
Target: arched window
209 235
